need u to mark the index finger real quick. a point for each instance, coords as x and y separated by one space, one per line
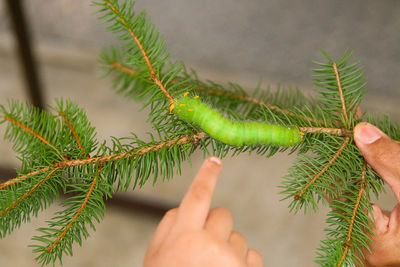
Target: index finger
194 208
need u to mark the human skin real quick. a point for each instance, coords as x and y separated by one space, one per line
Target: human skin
383 155
193 236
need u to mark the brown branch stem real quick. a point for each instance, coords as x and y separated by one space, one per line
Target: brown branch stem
21 178
33 189
245 97
143 51
176 141
300 194
78 212
77 162
31 131
71 127
339 83
353 216
331 131
124 69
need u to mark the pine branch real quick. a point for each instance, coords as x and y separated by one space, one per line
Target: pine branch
17 204
246 97
350 226
300 194
68 226
22 178
130 29
339 84
218 93
78 212
33 133
331 131
353 216
194 138
29 130
21 197
147 52
338 77
27 194
74 133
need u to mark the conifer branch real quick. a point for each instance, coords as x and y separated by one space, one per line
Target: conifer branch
154 75
339 84
254 100
300 194
78 212
331 131
140 152
34 133
195 138
246 97
217 92
74 133
27 194
21 178
123 68
353 216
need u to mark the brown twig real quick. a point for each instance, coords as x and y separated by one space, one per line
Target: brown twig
77 162
33 189
349 232
71 127
143 51
176 141
123 68
21 178
31 131
300 194
331 131
344 111
89 193
245 97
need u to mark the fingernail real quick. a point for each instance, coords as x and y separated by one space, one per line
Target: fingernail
367 134
215 160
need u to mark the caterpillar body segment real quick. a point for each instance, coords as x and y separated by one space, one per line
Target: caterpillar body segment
230 132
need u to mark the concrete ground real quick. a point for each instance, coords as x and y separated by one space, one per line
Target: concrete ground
248 184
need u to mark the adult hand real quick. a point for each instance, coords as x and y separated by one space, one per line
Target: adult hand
383 155
191 235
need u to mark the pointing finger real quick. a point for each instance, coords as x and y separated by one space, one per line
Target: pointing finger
163 229
254 259
193 211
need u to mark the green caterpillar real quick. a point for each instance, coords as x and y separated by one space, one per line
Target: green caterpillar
192 110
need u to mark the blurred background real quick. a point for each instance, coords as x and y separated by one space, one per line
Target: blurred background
224 41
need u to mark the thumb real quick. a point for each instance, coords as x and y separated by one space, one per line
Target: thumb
381 153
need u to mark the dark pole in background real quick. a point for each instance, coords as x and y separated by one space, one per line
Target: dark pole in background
21 33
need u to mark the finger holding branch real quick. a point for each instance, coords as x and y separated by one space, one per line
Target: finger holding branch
383 155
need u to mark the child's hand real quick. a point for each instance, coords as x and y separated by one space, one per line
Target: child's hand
191 235
382 154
